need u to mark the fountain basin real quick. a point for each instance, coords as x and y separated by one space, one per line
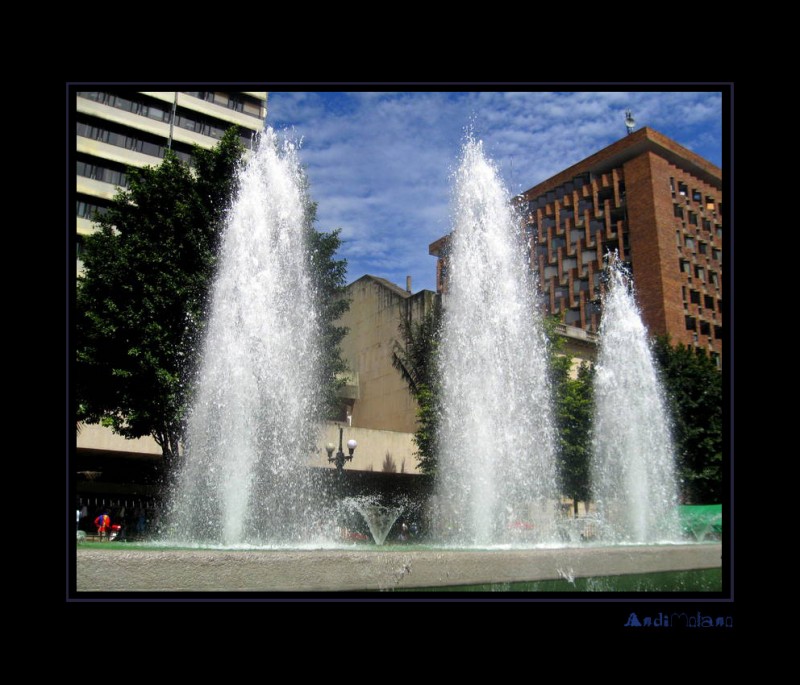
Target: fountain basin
373 569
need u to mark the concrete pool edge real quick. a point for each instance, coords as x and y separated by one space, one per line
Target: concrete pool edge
138 570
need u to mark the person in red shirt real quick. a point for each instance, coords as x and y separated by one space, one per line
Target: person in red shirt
103 523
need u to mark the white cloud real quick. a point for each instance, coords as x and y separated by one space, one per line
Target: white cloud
380 163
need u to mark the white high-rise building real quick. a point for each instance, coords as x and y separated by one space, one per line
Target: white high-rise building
118 128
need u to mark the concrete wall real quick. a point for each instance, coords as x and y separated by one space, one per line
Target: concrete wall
371 450
97 437
377 308
369 455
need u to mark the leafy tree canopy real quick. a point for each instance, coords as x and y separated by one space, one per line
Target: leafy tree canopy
141 300
414 356
693 385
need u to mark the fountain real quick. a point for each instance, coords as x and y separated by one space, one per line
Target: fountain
252 423
497 436
379 518
245 482
633 468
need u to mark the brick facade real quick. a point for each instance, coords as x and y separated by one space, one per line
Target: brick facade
660 206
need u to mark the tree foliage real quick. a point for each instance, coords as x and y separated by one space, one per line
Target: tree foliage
414 356
141 299
329 275
572 403
693 385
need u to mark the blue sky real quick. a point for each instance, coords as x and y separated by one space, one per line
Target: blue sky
380 163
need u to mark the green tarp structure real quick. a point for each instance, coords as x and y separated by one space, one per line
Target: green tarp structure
701 520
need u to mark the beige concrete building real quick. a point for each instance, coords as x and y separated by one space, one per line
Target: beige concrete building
116 129
377 397
379 410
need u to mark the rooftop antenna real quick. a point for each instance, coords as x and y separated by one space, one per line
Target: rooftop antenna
630 122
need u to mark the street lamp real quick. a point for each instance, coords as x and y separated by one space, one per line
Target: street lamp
340 457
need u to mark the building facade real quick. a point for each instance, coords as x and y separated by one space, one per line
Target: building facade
119 129
656 203
376 396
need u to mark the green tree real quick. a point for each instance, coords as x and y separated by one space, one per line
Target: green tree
693 385
414 356
574 401
330 276
572 405
141 299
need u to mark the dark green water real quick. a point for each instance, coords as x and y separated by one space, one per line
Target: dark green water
704 580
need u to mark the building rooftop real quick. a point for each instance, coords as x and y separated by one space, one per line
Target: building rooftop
402 292
644 140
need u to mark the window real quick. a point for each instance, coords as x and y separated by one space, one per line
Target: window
714 278
672 185
709 203
235 103
716 253
691 323
697 196
683 189
683 292
693 218
709 302
703 247
718 332
705 328
700 273
87 210
678 211
694 297
678 238
689 242
252 108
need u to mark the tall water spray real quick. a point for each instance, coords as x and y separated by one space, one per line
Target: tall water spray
497 439
633 469
244 479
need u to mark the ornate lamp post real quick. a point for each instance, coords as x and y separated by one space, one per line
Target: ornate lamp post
340 457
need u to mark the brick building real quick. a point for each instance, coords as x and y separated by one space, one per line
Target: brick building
660 206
